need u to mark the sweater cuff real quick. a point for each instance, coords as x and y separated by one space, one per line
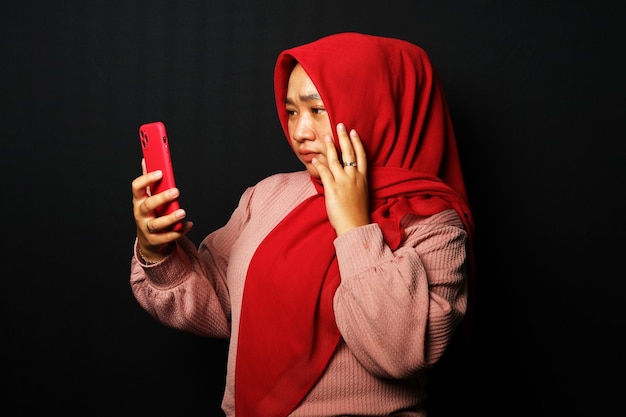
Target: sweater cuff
359 249
167 273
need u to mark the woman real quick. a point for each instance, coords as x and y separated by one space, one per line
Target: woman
338 285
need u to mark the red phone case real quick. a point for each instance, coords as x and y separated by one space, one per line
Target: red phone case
156 152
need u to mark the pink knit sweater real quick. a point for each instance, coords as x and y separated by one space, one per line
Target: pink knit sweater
396 310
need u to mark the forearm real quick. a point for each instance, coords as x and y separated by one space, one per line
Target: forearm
398 311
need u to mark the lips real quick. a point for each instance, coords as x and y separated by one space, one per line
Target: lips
307 156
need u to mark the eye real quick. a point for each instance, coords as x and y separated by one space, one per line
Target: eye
290 112
318 110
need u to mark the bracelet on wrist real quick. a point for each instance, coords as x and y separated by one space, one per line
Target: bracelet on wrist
147 261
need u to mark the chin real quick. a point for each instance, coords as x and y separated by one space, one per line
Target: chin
312 171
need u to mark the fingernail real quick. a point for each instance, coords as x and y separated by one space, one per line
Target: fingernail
341 127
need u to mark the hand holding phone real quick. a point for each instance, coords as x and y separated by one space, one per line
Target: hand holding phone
156 152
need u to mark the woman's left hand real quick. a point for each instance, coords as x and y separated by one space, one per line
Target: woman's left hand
345 181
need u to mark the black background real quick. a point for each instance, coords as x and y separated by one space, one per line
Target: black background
537 94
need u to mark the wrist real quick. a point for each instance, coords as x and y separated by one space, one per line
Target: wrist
152 259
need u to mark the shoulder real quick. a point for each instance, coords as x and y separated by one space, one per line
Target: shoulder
299 181
283 188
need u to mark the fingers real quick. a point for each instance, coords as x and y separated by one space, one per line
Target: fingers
352 151
345 181
155 243
141 185
153 202
155 232
149 228
359 151
348 157
146 218
157 224
352 160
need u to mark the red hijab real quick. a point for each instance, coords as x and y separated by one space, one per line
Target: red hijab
389 92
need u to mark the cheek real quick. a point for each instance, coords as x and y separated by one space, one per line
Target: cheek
293 144
323 129
290 128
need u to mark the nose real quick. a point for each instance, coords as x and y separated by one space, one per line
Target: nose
303 129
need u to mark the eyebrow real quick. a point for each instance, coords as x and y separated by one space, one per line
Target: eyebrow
306 97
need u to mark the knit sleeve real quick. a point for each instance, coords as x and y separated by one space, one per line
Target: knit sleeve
397 311
188 289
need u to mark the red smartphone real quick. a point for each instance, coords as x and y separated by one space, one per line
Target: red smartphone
155 146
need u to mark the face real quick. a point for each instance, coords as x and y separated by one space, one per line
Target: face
308 123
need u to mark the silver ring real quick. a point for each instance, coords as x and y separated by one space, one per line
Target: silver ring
349 164
150 230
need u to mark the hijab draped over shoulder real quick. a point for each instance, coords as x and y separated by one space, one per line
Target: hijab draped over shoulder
389 92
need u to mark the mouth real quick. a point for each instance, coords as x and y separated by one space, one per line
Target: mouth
307 156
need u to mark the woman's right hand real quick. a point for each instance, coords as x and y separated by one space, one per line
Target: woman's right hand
154 234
